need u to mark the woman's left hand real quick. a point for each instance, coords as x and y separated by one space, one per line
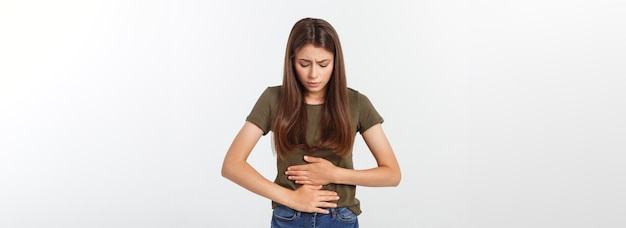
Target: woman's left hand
319 171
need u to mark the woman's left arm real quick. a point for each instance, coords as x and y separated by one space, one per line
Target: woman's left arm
320 171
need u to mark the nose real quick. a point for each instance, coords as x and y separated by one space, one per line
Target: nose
313 72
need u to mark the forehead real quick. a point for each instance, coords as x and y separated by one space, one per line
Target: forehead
310 51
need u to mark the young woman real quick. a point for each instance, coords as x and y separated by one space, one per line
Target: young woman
314 118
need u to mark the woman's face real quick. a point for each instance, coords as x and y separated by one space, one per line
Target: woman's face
314 67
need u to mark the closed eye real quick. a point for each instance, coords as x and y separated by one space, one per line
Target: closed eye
304 63
324 63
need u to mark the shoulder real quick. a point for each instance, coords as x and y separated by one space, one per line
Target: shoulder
353 93
263 109
363 112
268 98
270 94
356 97
273 90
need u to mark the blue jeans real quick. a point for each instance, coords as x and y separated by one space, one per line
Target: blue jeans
284 217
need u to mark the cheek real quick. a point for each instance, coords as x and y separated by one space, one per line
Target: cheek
301 74
328 71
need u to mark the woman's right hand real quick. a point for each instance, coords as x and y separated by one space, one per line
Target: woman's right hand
311 198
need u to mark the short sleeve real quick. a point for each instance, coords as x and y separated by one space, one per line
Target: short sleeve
261 114
368 116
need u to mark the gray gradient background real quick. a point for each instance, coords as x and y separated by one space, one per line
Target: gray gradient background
502 113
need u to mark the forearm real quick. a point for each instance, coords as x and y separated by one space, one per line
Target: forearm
382 176
244 175
236 168
387 172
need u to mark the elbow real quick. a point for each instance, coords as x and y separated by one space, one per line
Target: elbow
394 182
226 170
391 178
395 179
231 168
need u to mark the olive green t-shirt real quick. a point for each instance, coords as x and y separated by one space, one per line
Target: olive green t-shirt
364 116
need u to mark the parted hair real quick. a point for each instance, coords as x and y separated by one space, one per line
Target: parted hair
289 122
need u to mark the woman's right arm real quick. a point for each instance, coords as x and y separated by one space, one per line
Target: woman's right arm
307 198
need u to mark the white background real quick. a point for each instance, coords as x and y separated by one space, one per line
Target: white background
502 113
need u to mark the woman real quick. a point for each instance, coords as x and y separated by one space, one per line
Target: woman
314 118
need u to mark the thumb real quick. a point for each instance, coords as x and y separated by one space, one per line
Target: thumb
311 159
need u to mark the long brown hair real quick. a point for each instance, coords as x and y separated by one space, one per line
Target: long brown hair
290 120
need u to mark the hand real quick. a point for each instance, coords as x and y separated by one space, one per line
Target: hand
310 198
319 171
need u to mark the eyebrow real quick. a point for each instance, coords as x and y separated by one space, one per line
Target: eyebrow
306 60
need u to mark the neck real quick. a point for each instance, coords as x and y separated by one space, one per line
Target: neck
314 98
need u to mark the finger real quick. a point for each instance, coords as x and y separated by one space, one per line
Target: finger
308 182
297 168
329 198
321 211
326 192
304 182
311 159
327 205
297 178
295 173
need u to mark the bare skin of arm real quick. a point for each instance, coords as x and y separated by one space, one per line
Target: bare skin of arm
308 198
319 171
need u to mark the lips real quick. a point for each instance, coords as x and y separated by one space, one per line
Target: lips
313 84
